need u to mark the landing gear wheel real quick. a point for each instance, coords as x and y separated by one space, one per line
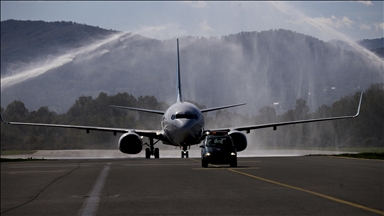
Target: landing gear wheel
157 153
184 153
147 153
152 150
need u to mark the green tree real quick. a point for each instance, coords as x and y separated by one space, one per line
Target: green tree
16 110
79 108
301 109
268 114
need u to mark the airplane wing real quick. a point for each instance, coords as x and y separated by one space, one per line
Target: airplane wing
222 107
139 109
162 112
157 134
248 128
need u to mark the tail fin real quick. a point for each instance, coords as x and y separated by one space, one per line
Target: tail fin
179 97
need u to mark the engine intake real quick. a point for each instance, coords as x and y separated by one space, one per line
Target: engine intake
130 143
239 140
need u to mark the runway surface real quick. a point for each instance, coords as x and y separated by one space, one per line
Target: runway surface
304 185
174 153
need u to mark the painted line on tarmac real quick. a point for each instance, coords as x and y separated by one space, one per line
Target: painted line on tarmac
194 160
92 202
32 171
310 192
45 166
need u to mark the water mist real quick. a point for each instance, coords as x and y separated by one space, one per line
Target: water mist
37 69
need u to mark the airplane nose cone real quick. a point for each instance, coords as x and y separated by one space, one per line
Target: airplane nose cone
184 124
186 131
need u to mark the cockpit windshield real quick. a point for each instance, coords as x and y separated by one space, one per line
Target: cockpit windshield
184 116
219 141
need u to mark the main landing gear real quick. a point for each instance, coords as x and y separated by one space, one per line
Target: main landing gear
184 152
152 150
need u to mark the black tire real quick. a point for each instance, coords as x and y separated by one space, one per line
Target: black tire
186 154
182 154
147 153
157 153
233 162
204 163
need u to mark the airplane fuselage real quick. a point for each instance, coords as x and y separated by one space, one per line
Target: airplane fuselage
183 124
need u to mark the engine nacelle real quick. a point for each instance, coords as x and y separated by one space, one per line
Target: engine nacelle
239 140
130 143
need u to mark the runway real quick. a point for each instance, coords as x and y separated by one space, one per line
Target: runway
303 185
194 152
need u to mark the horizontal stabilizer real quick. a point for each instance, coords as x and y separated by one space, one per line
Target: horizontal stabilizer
221 107
139 109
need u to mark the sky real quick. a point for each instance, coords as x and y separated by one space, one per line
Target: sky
327 20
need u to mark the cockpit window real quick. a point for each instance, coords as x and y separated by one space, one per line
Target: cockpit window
219 141
184 116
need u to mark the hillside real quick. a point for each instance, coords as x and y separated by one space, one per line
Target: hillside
25 41
260 68
372 44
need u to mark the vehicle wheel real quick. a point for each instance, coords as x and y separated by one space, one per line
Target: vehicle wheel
182 154
204 163
147 153
157 153
233 162
186 155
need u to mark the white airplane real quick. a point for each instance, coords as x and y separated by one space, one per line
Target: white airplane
182 125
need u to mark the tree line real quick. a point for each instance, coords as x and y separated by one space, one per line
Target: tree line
364 131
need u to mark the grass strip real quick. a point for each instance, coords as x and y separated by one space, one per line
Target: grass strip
19 159
364 155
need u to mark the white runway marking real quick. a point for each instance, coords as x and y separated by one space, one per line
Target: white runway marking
92 202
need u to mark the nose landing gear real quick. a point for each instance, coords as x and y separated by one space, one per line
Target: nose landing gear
184 152
152 150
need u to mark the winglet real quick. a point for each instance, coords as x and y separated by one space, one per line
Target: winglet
179 97
2 120
358 108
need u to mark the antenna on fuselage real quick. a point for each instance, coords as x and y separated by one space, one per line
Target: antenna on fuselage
179 97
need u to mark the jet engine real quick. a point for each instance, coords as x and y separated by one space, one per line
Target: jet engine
130 143
239 140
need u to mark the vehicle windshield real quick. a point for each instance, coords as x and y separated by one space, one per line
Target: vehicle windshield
219 142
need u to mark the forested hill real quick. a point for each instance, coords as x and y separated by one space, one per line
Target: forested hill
273 67
375 46
24 41
372 44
